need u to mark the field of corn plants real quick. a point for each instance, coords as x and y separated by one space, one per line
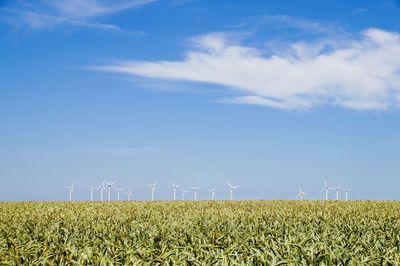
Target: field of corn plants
200 233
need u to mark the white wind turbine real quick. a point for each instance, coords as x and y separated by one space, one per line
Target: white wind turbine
71 190
174 187
129 193
346 191
183 193
213 193
325 188
118 189
337 190
301 193
102 188
91 192
153 190
231 188
109 189
195 191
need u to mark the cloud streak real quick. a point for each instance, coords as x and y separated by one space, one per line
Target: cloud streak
124 151
362 73
47 14
287 21
40 21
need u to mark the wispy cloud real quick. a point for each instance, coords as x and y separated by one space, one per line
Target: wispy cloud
359 11
360 73
46 14
287 21
302 25
96 151
91 8
123 150
40 21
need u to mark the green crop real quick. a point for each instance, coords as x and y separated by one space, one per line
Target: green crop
201 233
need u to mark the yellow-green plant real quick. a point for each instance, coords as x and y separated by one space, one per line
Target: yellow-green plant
201 232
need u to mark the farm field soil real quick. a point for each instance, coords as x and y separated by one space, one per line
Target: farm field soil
200 233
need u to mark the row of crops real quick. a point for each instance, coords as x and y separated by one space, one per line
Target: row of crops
202 232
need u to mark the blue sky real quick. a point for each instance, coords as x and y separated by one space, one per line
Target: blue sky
268 95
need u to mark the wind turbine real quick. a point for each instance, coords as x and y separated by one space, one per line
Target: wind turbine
153 189
118 189
195 191
337 190
129 193
231 188
325 188
71 190
183 193
174 187
212 193
109 189
91 192
102 187
346 191
301 193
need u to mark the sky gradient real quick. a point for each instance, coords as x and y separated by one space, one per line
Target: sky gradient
266 95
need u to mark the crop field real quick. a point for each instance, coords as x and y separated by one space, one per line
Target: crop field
200 233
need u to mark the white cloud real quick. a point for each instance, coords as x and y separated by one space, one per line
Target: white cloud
361 73
40 21
91 8
287 21
359 11
257 100
123 150
48 13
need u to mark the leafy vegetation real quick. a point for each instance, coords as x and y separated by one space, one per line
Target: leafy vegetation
202 232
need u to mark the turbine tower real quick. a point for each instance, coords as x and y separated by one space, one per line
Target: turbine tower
231 188
346 191
337 190
183 193
212 193
129 193
109 189
91 192
174 187
153 190
325 188
118 189
195 191
301 193
71 190
102 187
